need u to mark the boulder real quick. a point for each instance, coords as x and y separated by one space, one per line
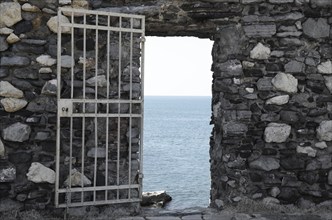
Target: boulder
13 104
265 163
260 52
276 132
155 199
17 132
285 82
324 131
10 13
9 91
38 173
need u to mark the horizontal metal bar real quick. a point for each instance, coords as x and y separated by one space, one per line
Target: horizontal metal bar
104 28
94 12
104 101
98 188
103 202
101 115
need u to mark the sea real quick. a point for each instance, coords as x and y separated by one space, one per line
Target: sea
176 149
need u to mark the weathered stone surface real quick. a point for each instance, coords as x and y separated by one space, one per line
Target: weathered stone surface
10 13
316 28
42 136
155 199
9 91
260 52
12 38
265 84
325 67
30 8
13 104
14 61
260 30
77 179
46 60
328 82
67 61
3 44
53 24
6 31
278 100
77 4
42 104
2 149
100 80
306 150
230 68
50 87
324 131
265 163
7 172
321 145
38 173
45 70
277 133
235 129
17 132
285 82
275 191
294 67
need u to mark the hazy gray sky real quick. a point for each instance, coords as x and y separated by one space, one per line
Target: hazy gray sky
178 66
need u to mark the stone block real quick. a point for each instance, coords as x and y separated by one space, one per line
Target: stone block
52 24
13 104
316 28
10 13
260 52
7 172
285 82
234 129
265 163
294 67
258 30
278 133
324 131
278 100
230 68
17 132
38 173
325 67
14 61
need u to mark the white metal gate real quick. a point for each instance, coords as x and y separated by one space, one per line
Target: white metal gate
100 69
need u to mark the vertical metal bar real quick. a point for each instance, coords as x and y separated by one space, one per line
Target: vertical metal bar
119 107
83 110
96 109
57 166
107 106
142 107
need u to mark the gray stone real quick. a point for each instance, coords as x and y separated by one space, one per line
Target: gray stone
316 29
99 152
230 68
14 61
235 129
13 104
46 60
285 82
321 145
76 179
275 191
2 149
289 16
42 104
260 52
278 100
275 132
306 150
7 172
260 30
330 177
10 13
17 132
100 80
294 67
26 73
30 8
12 38
52 24
324 131
251 1
50 87
328 82
270 201
155 199
3 44
67 61
45 70
9 91
289 34
325 67
304 99
265 163
4 72
291 42
42 136
281 1
6 31
265 84
38 173
321 3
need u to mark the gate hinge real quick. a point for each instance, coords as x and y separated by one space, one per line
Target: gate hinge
143 39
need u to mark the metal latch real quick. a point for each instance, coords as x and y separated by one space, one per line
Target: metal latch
65 107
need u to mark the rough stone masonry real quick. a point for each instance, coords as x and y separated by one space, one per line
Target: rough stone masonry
271 94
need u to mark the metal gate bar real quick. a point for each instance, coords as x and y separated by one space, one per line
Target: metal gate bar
77 109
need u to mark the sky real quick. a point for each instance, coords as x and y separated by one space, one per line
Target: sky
178 66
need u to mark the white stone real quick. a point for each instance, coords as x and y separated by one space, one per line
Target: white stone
285 82
44 70
101 81
278 133
324 131
6 31
67 61
50 87
278 100
306 150
321 145
250 90
13 104
53 24
298 25
325 67
77 178
89 62
46 60
10 13
247 64
38 173
237 81
30 8
12 38
2 149
260 52
328 82
17 132
9 91
64 2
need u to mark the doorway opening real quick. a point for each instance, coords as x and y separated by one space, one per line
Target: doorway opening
177 115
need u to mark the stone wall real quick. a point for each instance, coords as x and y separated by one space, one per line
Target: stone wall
271 104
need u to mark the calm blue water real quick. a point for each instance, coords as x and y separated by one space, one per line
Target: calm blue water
176 149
